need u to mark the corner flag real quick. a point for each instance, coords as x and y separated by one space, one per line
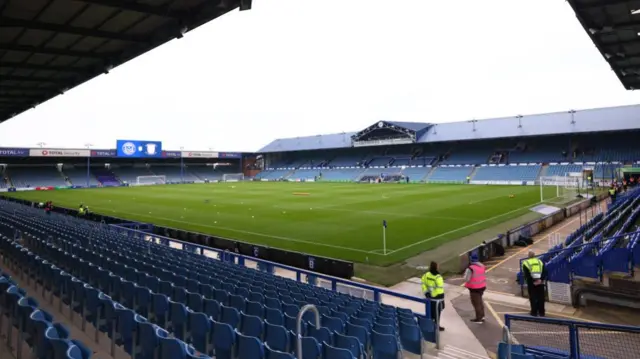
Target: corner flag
384 237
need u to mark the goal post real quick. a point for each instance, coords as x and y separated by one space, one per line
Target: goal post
150 180
560 187
232 177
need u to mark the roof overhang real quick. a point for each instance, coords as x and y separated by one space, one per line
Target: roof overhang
50 46
614 27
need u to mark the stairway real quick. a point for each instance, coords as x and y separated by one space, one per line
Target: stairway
542 173
64 177
429 173
473 173
289 174
451 352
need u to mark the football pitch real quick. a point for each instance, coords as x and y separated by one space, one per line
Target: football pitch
337 220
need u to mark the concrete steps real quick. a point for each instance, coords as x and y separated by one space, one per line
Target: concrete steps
473 173
452 352
429 173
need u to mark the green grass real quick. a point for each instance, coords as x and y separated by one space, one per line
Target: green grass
339 220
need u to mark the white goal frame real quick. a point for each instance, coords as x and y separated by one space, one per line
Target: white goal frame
567 186
233 177
162 179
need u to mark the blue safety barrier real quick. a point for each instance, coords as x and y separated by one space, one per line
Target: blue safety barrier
267 266
563 338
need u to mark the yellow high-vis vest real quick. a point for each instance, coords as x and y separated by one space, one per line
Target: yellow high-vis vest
432 284
534 265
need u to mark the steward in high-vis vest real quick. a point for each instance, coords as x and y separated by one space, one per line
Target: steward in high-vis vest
475 280
612 193
433 288
535 274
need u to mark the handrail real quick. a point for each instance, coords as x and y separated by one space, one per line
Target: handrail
437 328
590 325
377 291
506 338
303 310
573 328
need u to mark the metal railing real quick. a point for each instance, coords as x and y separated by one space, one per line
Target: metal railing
506 338
240 259
577 339
303 310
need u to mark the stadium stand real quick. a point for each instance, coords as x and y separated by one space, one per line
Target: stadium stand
603 254
130 174
32 325
304 174
35 176
341 175
507 173
416 174
151 296
563 170
106 177
78 175
173 173
450 174
203 173
606 171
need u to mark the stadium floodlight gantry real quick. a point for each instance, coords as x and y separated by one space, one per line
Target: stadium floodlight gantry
76 45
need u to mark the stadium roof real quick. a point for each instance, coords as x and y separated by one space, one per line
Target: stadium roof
50 46
614 27
556 123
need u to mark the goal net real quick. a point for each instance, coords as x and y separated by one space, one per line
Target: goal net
150 180
561 188
232 177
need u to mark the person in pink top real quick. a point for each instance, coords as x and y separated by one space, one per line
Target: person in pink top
475 280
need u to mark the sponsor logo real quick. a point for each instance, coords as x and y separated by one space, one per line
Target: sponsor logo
170 154
103 153
202 154
151 149
14 152
59 153
129 148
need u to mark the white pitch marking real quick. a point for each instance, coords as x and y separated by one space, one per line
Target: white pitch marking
459 229
249 232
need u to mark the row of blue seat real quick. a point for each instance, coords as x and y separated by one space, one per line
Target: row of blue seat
606 243
255 304
34 327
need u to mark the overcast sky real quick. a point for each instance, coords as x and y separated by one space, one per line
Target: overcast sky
292 68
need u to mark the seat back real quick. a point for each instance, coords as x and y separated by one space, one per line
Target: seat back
249 347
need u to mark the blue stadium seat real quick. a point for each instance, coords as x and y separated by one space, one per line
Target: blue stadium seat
277 337
224 340
249 347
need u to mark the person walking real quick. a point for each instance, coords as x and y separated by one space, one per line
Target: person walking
476 281
535 274
433 288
